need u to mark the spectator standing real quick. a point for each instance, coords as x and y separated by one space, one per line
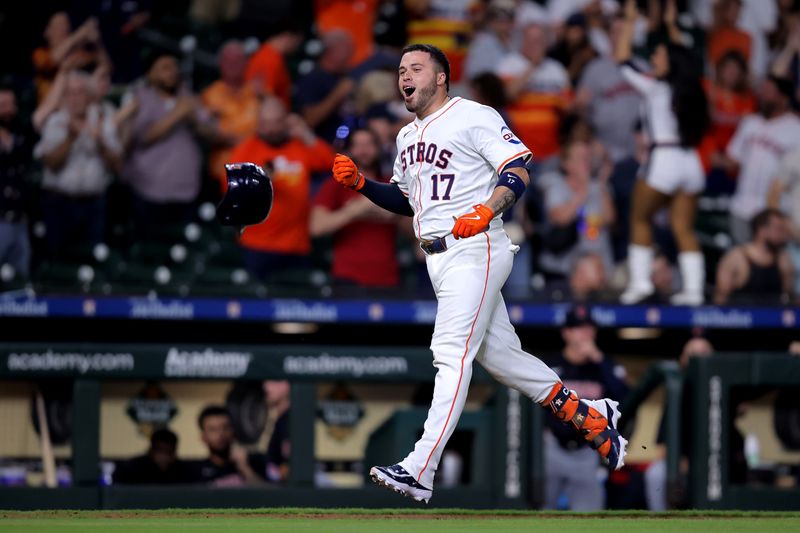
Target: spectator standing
267 66
16 159
289 151
730 97
756 149
356 17
164 160
760 270
609 102
320 93
579 213
159 466
573 49
234 104
724 35
538 89
80 151
83 44
365 250
446 24
584 368
785 195
493 43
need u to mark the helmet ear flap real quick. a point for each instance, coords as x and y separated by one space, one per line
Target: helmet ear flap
248 199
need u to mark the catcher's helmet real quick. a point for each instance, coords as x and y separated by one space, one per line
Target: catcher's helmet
248 199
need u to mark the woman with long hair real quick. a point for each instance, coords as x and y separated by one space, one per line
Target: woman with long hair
676 117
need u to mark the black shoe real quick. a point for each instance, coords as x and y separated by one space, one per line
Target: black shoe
396 478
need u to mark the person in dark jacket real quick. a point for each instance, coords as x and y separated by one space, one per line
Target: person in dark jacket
584 368
159 466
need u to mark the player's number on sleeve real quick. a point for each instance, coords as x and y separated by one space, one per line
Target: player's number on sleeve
447 183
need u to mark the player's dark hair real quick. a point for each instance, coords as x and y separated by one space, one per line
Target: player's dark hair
212 410
437 56
163 436
689 102
762 219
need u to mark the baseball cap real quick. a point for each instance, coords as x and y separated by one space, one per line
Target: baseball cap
579 315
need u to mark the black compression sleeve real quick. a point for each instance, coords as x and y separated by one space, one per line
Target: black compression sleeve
387 196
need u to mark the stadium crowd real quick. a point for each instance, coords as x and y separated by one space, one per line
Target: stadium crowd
116 119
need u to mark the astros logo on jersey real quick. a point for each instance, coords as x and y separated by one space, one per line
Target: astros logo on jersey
508 136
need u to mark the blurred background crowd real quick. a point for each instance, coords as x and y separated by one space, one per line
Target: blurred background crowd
116 119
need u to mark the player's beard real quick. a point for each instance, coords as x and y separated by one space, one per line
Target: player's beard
424 97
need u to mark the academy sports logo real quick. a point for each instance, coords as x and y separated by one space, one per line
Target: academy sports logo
508 136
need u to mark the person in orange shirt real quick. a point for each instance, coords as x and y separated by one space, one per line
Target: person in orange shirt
289 151
730 97
357 17
538 89
82 46
234 103
267 66
724 35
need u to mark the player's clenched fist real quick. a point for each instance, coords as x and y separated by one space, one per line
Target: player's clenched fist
346 172
473 223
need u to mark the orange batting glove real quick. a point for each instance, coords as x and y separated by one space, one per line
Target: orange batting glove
473 223
346 173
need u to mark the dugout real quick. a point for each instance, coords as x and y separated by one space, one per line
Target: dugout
505 428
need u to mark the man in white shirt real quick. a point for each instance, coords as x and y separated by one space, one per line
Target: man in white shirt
760 143
530 69
80 150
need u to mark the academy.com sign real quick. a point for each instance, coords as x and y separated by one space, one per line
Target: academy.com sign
326 364
73 362
206 363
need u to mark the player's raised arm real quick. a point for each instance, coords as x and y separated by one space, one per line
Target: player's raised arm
385 195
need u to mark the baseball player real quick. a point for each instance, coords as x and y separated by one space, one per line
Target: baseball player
458 168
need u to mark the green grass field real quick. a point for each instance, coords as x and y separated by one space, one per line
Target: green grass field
389 521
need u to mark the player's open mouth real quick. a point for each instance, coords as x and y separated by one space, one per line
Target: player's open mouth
408 90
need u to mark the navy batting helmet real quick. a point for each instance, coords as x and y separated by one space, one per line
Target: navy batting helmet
248 199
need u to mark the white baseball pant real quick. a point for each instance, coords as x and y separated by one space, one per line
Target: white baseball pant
472 323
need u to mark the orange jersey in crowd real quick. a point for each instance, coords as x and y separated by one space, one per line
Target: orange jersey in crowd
722 40
290 167
47 69
727 110
268 68
449 27
537 118
357 17
236 113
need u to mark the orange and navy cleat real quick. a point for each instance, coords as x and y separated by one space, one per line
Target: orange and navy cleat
596 420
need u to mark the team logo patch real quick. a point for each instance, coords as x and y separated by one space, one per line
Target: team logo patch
508 136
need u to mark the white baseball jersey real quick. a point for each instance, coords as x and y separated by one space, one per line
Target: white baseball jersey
447 163
758 146
450 161
670 167
662 126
